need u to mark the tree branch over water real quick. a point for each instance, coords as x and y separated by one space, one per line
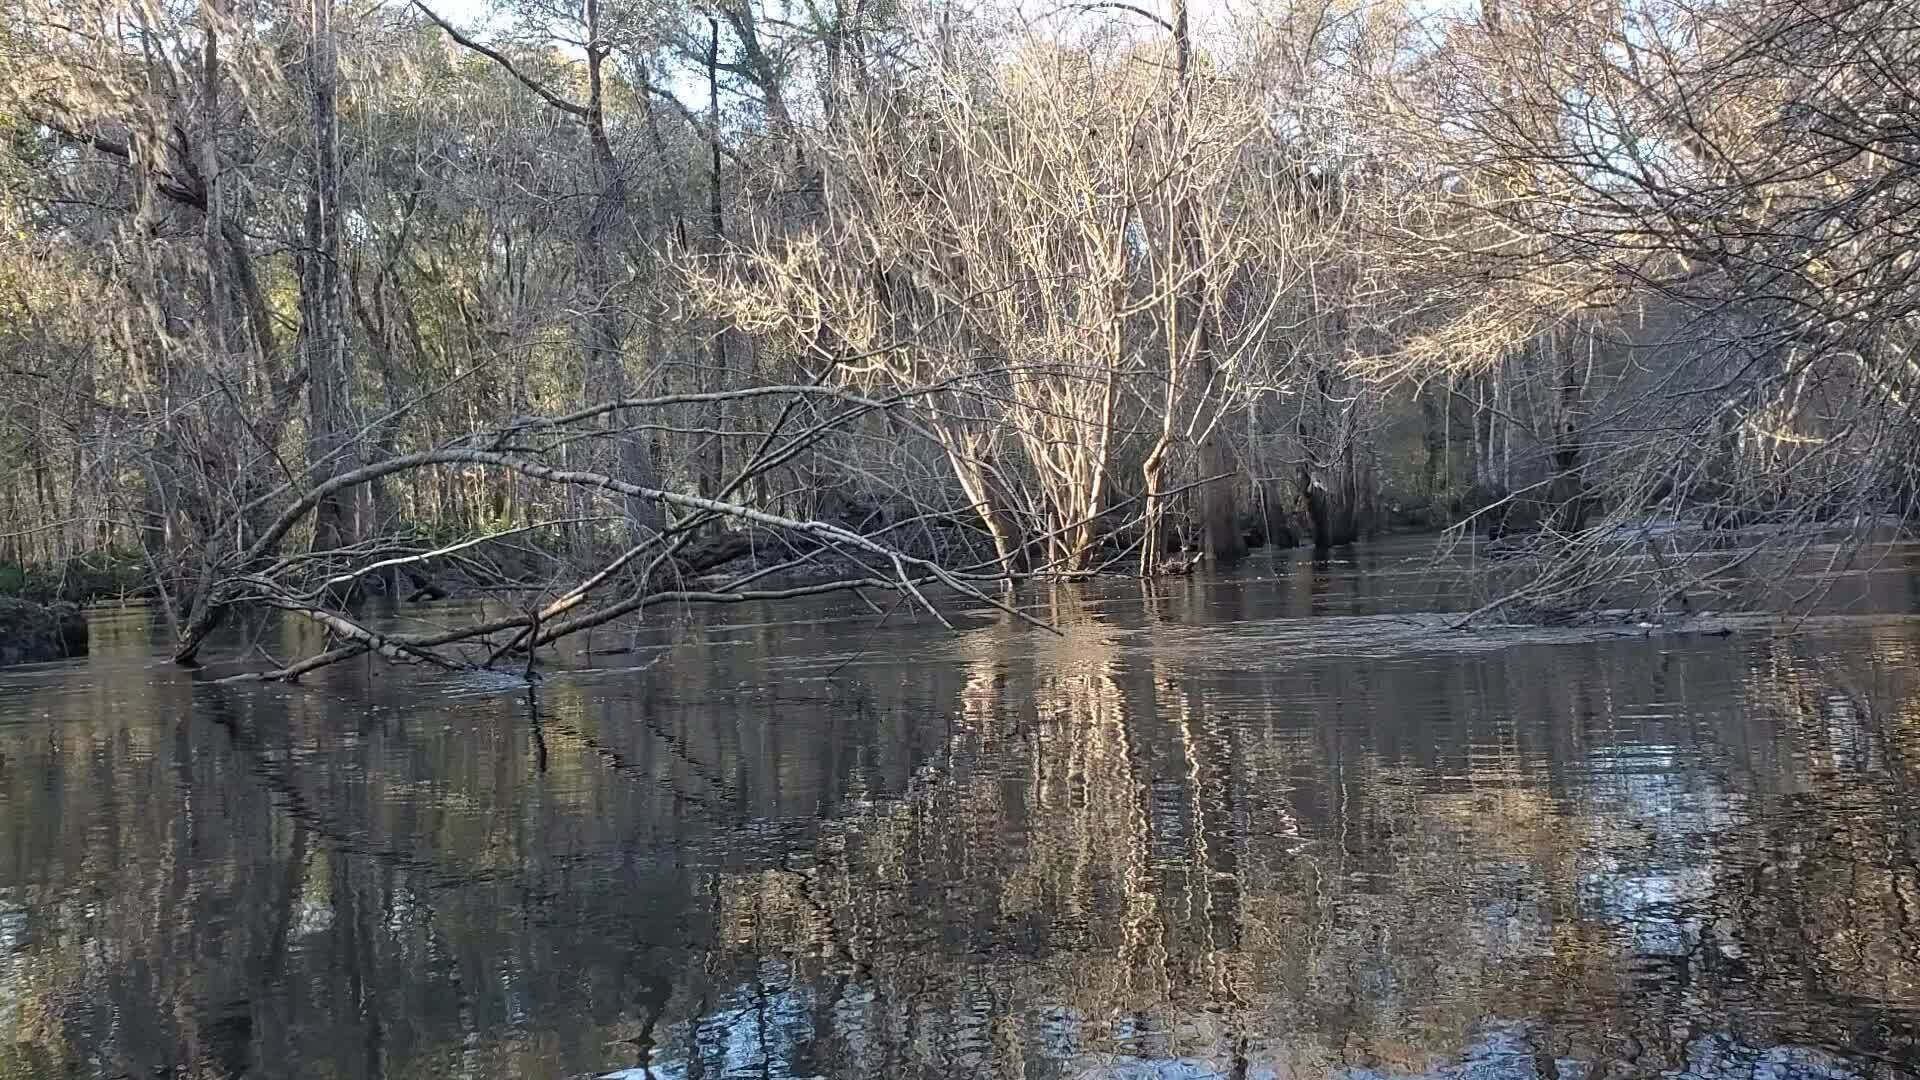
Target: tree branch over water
255 576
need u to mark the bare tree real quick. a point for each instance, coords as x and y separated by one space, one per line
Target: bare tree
602 331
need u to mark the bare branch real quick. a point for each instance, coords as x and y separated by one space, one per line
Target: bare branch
539 88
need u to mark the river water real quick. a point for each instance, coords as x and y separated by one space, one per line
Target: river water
1267 825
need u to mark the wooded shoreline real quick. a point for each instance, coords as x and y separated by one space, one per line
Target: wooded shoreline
302 303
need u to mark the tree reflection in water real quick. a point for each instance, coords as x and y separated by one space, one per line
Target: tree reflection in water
1147 848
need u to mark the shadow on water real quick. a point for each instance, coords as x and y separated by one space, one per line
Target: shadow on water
1270 825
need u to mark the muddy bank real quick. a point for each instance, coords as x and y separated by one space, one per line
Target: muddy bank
31 632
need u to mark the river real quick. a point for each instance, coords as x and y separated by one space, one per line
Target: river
1271 824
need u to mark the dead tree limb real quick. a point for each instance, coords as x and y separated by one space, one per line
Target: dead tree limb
238 585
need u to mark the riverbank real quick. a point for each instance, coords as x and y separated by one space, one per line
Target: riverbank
30 632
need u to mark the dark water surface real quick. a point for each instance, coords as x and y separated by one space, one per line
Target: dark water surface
1267 826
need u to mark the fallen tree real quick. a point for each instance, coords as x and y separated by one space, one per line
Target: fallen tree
666 562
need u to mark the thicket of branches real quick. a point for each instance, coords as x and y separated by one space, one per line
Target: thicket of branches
590 300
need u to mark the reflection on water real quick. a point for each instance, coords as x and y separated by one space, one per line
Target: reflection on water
1155 846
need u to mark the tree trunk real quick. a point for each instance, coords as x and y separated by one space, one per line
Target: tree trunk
1220 503
1433 411
1567 491
1219 506
1485 477
1346 525
1009 546
761 70
603 331
714 460
1319 509
1328 484
323 328
1154 541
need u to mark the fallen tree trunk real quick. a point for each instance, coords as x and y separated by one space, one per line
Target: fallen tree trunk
886 566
